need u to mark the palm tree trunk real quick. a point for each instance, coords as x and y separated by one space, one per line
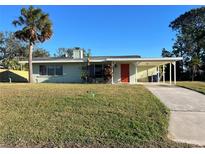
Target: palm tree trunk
193 73
30 63
192 78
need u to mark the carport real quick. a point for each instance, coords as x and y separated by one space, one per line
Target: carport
160 63
141 67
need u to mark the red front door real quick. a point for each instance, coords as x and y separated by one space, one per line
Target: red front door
125 73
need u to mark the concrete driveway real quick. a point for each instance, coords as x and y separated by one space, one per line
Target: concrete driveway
187 121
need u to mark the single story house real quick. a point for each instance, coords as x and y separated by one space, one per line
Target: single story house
125 69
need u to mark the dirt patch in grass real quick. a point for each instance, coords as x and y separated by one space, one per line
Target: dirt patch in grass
79 115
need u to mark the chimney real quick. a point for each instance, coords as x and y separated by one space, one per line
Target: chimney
78 53
81 53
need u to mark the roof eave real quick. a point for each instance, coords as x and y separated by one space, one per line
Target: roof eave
146 59
52 61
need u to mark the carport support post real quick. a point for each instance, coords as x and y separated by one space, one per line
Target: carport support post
163 74
21 67
136 72
170 73
175 77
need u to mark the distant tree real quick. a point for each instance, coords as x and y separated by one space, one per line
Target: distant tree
194 65
11 64
11 49
68 52
40 52
2 48
36 27
166 53
65 52
1 45
190 40
88 53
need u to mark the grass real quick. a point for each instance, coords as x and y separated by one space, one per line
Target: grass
195 85
77 115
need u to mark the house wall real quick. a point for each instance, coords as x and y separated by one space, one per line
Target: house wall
117 72
143 71
71 73
141 76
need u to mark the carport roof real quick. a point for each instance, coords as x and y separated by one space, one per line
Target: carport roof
148 61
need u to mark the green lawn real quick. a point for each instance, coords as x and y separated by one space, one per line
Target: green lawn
77 115
197 86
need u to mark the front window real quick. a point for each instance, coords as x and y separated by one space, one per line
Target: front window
51 70
92 70
42 70
59 70
98 71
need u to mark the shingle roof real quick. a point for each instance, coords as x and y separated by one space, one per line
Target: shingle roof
103 57
50 58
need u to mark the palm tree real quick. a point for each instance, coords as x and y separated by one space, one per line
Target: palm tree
36 27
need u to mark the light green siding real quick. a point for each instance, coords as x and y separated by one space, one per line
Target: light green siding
71 73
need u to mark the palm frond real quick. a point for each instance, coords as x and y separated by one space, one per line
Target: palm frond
16 23
24 12
21 20
21 35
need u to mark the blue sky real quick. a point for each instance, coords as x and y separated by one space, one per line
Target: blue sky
106 30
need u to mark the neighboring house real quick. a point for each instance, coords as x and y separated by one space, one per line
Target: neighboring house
13 76
126 69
